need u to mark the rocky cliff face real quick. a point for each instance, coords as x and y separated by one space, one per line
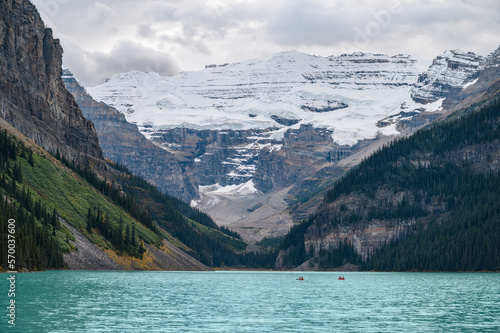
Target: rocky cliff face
274 121
33 97
368 233
236 157
123 143
302 153
286 121
479 86
447 75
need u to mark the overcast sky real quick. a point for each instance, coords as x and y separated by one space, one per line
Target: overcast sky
105 37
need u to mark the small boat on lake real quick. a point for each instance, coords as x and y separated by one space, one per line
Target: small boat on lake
300 278
341 278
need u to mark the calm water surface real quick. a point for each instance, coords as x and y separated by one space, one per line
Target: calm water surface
68 301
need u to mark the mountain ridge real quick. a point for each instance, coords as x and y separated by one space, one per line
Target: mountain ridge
416 191
122 143
281 122
246 95
33 97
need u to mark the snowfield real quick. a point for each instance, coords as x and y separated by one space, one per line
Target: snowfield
356 97
347 94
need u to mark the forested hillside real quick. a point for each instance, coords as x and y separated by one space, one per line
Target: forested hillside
38 232
37 191
432 199
211 244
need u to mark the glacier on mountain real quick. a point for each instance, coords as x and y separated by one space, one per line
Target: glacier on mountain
346 94
255 134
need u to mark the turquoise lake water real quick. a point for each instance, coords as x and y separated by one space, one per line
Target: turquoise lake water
69 301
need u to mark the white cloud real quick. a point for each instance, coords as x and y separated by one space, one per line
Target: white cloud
199 32
100 14
93 67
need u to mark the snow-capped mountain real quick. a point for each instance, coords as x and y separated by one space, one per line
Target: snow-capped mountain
255 132
347 94
266 104
449 72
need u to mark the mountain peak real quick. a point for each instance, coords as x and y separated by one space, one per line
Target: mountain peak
465 58
66 73
291 54
448 73
495 55
285 90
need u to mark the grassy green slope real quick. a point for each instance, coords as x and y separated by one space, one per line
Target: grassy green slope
31 180
59 188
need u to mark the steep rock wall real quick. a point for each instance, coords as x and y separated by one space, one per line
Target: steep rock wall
123 143
33 98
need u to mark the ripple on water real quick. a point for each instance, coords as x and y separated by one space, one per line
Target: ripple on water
66 301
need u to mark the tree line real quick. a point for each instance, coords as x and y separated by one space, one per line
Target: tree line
451 175
36 227
123 239
126 201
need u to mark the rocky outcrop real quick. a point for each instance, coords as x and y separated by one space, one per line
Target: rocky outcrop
446 76
480 86
89 256
123 143
355 218
365 240
211 156
235 157
302 153
33 98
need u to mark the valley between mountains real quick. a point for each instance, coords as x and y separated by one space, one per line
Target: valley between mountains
258 137
355 161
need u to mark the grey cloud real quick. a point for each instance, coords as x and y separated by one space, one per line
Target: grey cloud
316 23
427 13
199 19
93 68
197 32
197 45
198 24
162 12
99 14
145 30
